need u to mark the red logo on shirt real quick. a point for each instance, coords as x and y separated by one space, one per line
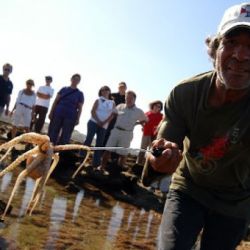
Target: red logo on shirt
216 149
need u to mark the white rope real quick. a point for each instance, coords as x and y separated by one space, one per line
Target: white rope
129 150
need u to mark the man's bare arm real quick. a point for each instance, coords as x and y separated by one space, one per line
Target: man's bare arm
43 96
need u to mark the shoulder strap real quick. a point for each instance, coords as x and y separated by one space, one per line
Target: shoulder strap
67 94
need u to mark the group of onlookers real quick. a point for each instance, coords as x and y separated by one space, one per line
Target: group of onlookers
112 121
30 108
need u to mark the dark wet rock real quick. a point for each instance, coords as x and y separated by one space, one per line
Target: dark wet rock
72 187
2 166
17 134
136 169
14 154
121 185
3 206
66 167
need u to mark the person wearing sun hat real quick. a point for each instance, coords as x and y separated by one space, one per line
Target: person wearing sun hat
205 144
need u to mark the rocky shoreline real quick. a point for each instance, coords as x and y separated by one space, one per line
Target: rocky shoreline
121 185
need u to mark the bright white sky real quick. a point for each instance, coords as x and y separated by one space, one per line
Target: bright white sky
149 44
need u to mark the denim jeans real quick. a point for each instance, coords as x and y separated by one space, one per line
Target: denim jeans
92 129
184 218
61 124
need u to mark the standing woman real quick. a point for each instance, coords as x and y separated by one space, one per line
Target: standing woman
65 112
23 108
101 115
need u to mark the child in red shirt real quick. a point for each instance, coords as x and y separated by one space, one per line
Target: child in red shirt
150 128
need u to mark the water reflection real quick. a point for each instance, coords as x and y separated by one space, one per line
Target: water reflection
130 218
25 195
150 218
138 225
115 222
93 222
57 216
97 202
29 185
5 181
78 200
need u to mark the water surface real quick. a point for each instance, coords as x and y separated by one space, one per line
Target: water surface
74 221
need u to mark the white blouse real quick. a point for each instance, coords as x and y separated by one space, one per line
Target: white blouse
104 109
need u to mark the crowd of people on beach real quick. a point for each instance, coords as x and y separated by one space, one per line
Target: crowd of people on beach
112 118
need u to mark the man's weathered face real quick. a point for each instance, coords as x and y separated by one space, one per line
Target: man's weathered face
232 61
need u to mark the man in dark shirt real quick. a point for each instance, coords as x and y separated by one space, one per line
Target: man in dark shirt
118 98
204 140
6 87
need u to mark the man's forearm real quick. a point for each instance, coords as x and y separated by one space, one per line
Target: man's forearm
43 96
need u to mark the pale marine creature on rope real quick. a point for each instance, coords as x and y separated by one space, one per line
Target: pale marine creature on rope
40 163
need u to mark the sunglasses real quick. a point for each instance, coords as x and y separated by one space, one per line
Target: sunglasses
7 69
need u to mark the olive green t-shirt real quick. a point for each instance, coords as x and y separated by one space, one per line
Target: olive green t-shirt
215 169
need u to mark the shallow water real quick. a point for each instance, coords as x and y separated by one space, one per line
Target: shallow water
74 221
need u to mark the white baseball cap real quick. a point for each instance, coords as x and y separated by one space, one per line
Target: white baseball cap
234 17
